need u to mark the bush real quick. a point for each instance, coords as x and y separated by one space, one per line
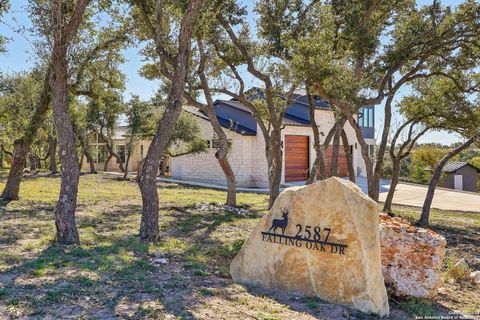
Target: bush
455 270
420 175
236 246
417 307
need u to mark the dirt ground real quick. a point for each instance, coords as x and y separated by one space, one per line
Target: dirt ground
112 275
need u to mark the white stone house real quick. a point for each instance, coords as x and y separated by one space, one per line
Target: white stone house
247 154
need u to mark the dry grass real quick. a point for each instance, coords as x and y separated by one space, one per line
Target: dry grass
111 275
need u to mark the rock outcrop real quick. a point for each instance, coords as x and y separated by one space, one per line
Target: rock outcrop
411 257
318 240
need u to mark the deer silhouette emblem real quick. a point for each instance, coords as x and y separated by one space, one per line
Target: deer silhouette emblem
280 223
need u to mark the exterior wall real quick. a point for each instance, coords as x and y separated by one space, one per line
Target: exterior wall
447 181
359 163
469 176
247 158
113 166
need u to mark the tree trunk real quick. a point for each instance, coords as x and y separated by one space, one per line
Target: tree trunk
318 169
129 154
87 154
1 157
39 162
349 156
127 162
319 162
147 180
80 160
424 218
274 155
403 152
231 183
65 209
149 230
90 162
52 150
335 149
163 168
19 160
222 156
387 207
34 162
222 152
373 185
22 145
107 161
112 153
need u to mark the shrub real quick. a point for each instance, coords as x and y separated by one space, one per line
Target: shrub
454 271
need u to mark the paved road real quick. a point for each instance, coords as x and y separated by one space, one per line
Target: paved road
414 195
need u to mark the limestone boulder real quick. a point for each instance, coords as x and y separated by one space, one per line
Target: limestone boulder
475 276
320 240
411 258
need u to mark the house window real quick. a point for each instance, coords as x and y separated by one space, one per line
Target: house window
209 144
141 151
366 118
361 117
370 118
102 153
366 115
121 153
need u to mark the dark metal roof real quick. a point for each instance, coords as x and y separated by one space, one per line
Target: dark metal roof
300 96
236 127
233 115
295 121
451 167
236 104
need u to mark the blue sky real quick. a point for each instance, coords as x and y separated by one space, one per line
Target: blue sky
20 56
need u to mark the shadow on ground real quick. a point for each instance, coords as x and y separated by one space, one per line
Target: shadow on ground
113 275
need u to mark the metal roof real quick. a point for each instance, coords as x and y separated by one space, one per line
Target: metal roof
226 123
294 121
451 167
236 104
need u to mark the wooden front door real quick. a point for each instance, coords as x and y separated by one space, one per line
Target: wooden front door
296 158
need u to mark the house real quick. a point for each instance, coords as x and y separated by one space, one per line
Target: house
100 154
247 154
460 176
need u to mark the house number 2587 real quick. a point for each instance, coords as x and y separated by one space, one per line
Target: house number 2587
312 233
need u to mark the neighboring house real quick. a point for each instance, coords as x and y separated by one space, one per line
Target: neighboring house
460 176
100 152
247 154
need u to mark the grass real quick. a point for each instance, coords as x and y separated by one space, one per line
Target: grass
113 274
417 307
